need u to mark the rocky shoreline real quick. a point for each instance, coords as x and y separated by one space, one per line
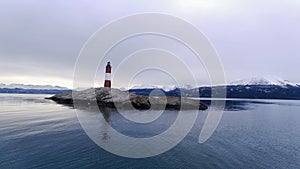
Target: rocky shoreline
115 98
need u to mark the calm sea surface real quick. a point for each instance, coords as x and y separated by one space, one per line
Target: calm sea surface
38 133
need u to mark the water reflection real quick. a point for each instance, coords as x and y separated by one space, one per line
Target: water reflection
49 136
106 112
239 104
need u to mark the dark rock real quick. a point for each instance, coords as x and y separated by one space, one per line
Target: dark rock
114 98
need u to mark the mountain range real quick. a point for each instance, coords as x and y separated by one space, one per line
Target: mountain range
252 88
32 89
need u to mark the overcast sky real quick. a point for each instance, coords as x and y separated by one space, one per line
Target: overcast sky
40 40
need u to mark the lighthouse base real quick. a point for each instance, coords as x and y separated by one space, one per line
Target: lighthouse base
107 83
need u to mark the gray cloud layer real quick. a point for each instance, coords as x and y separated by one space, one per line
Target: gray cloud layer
40 40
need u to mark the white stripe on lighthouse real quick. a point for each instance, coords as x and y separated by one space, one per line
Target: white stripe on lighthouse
107 76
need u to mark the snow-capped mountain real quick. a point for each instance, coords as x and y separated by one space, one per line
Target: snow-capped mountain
165 88
276 81
36 87
252 88
31 89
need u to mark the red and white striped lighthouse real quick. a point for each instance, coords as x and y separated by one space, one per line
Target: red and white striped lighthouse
107 82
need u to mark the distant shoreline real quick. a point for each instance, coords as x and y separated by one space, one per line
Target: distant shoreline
261 92
31 91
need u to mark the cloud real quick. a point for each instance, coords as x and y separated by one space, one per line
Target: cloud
43 38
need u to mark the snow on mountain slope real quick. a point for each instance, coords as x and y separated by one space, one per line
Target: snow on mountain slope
165 88
264 81
37 87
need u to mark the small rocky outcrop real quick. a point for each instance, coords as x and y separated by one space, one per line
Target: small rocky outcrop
115 98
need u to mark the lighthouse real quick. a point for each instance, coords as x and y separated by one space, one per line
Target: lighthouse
107 82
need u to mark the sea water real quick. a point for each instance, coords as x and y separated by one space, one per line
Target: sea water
39 133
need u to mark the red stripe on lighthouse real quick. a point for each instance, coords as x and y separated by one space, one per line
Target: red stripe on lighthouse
107 82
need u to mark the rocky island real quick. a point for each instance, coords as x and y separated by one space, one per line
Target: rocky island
115 98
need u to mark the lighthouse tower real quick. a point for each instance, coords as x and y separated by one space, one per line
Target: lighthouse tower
107 82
